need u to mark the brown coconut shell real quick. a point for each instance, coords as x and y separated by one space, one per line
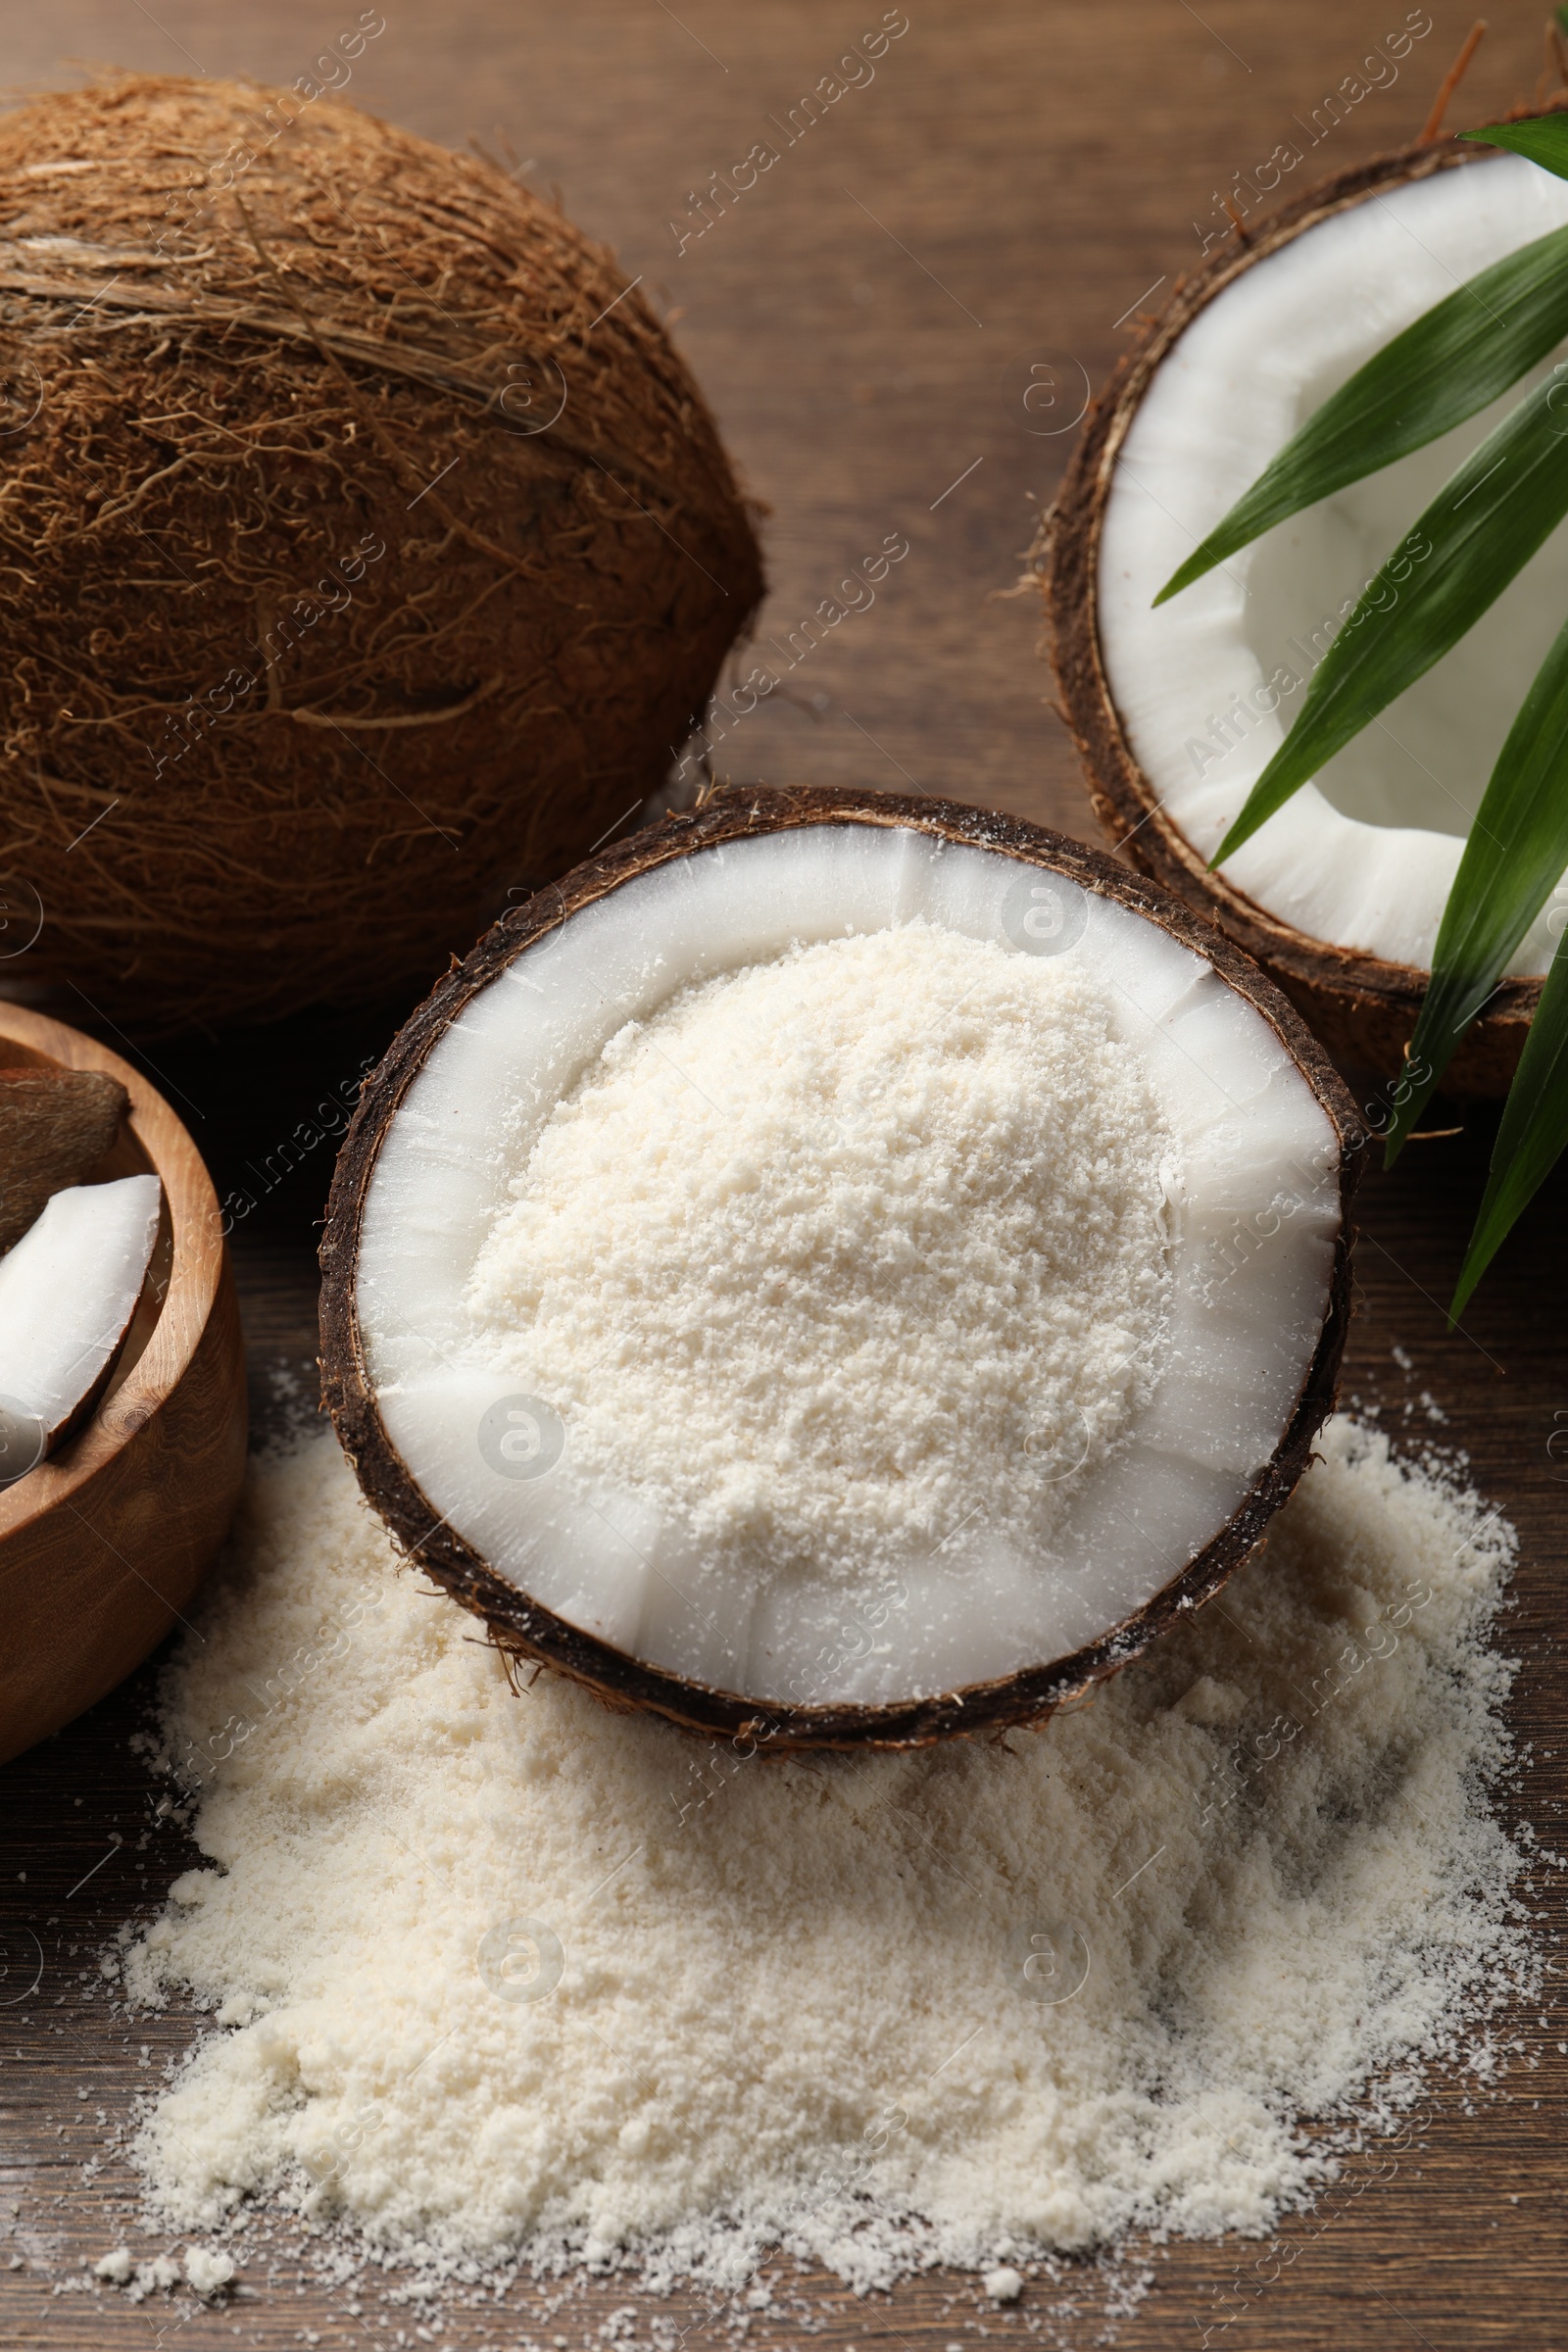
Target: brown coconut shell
366 546
535 1635
55 1126
1362 1006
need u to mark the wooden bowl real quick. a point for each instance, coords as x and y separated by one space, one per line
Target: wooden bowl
102 1545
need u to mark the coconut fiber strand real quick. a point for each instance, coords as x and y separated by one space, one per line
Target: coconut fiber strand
364 547
492 1974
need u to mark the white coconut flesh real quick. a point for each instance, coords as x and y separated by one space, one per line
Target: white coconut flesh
829 1481
68 1292
1364 855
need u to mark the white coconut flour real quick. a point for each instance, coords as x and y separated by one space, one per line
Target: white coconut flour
506 1975
836 1247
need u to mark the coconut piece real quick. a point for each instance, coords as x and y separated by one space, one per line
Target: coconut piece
1175 711
482 1483
68 1292
55 1125
434 547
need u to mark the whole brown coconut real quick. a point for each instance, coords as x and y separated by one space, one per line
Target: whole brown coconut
365 547
1362 1006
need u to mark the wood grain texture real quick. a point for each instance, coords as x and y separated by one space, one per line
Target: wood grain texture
1044 164
103 1545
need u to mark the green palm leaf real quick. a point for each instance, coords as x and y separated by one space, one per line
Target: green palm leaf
1544 139
1534 1130
1483 526
1472 540
1516 854
1533 1134
1450 363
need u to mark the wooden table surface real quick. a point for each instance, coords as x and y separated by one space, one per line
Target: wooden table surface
1019 177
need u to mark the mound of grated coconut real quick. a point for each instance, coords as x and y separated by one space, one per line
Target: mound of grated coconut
800 1259
497 1974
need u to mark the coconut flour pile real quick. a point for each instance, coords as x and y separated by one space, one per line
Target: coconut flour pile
801 1260
498 1975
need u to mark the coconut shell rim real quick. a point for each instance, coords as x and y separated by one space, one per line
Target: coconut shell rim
527 1632
1123 798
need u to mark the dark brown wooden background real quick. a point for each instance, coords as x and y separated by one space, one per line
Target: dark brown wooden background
1020 176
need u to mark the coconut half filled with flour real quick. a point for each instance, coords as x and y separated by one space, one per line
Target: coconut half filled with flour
851 1267
1178 709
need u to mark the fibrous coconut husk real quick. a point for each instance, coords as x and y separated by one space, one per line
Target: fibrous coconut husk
365 547
55 1126
1362 1006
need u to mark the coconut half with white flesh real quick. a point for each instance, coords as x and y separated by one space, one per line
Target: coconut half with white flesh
1176 710
68 1292
850 1266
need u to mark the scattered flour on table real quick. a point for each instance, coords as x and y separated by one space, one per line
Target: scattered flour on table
959 2005
204 2270
885 1211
